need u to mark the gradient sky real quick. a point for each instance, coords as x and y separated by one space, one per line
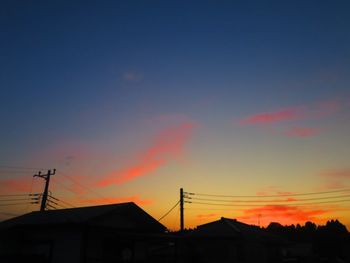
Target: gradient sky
135 99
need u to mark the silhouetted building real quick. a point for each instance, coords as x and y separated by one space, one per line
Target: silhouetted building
107 233
228 240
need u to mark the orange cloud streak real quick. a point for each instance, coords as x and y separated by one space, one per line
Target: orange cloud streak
206 216
168 145
272 117
283 214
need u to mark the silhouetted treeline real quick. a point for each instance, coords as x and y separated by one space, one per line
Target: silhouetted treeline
327 240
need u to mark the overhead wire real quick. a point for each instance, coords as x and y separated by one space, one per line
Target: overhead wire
167 213
20 167
64 186
18 204
60 201
287 204
266 196
79 184
5 195
268 201
17 199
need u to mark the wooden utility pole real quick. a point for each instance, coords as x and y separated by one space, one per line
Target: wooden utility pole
181 210
46 177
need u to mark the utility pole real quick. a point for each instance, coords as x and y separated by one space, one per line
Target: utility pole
46 177
181 210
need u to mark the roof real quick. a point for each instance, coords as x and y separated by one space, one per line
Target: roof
232 228
121 216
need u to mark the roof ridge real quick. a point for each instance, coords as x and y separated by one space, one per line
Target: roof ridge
230 222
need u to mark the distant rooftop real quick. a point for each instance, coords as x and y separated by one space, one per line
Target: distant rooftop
232 228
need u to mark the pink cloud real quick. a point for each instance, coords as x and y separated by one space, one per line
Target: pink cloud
340 173
313 111
167 146
302 132
273 117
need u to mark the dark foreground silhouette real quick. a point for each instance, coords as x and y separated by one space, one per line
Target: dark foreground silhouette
126 233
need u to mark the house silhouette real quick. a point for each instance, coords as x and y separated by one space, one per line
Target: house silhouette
106 233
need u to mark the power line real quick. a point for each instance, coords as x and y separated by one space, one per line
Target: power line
171 209
17 199
64 186
266 196
59 200
268 201
13 172
81 185
15 195
276 205
19 203
8 214
20 167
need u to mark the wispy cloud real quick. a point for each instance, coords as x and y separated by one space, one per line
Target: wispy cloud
132 76
167 146
273 190
332 179
291 115
285 214
302 132
315 110
336 173
273 117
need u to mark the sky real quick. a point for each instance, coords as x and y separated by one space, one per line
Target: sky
132 100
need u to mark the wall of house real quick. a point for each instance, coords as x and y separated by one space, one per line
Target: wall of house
42 245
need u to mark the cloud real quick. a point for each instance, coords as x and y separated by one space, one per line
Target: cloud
16 185
273 117
132 76
314 111
335 178
206 216
302 132
285 214
321 109
327 108
167 146
114 200
273 190
336 173
331 185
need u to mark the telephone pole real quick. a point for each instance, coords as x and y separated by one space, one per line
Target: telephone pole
46 177
181 210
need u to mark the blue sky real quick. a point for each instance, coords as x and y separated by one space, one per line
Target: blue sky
106 77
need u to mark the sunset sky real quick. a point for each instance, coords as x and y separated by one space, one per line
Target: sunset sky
132 100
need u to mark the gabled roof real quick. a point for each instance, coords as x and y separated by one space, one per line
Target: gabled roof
232 228
124 216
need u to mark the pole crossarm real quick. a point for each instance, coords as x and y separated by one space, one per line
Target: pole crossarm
45 194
